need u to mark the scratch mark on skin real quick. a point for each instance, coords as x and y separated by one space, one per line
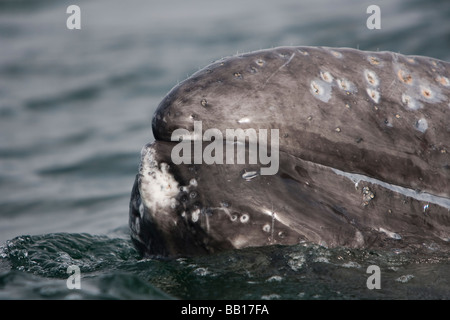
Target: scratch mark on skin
273 225
276 71
389 89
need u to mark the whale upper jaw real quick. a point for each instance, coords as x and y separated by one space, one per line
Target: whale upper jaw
167 216
178 210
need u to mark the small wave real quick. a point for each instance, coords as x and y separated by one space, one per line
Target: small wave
96 165
36 267
79 94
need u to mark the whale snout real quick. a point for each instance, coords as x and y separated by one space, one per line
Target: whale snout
153 205
167 213
151 196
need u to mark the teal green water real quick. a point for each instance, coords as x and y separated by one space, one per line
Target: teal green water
75 110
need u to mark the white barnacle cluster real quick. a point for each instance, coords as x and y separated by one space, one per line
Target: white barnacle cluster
373 83
390 234
336 54
157 186
411 103
410 97
371 78
443 81
375 61
159 190
321 88
195 214
346 85
326 76
418 91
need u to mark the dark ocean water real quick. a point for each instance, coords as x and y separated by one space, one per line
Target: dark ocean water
75 110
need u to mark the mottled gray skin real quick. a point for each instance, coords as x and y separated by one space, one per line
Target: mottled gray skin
379 114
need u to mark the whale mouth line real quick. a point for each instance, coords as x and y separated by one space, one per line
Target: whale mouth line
356 178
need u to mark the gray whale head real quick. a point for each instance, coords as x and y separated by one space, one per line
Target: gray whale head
362 154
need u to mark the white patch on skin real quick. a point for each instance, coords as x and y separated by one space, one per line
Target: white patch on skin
373 94
137 225
346 85
303 52
443 81
239 242
418 89
410 102
336 54
195 215
326 76
426 92
422 125
430 93
244 218
260 62
274 278
244 120
207 223
374 61
158 188
193 182
249 175
359 238
404 75
390 234
321 90
371 78
141 210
